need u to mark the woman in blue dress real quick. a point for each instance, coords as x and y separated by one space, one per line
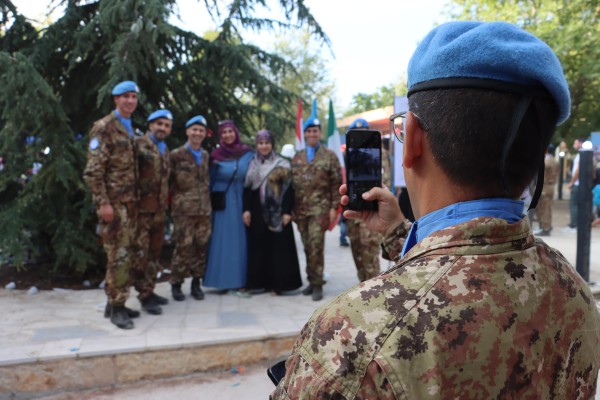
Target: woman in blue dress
227 254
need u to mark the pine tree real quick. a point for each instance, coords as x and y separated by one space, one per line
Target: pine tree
57 81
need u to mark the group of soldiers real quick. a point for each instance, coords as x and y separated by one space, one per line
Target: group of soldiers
131 178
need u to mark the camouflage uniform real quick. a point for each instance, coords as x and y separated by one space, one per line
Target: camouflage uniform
153 189
316 186
544 207
363 242
191 212
111 175
434 326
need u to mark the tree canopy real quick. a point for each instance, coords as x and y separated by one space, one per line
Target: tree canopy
57 80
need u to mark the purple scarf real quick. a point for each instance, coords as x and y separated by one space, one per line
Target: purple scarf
231 151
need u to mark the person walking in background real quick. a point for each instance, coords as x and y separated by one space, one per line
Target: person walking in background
190 210
152 161
228 251
574 187
475 306
544 206
268 201
316 176
110 173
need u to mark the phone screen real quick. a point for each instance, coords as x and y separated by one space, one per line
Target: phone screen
363 166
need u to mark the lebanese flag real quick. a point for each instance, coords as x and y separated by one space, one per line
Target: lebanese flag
334 144
299 122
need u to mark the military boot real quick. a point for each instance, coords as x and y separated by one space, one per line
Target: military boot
307 291
159 299
131 313
176 292
317 293
196 290
119 317
151 306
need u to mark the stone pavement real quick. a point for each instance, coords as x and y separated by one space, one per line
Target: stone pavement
59 340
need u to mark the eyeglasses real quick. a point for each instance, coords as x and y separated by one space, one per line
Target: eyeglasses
398 125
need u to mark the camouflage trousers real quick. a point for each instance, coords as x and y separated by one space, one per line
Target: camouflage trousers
191 234
149 243
118 242
312 232
544 210
365 249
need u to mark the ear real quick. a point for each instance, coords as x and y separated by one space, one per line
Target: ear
413 142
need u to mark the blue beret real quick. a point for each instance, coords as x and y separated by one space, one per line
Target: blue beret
198 119
312 121
491 55
160 114
124 87
359 123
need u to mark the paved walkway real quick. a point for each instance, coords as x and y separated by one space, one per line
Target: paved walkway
61 324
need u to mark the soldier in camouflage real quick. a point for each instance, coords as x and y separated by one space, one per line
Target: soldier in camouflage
364 242
111 175
544 207
316 176
152 159
475 306
190 209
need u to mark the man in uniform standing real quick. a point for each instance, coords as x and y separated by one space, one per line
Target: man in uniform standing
152 158
364 242
190 209
475 306
111 175
316 175
544 207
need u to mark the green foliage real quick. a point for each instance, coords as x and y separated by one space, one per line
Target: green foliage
56 82
383 97
572 29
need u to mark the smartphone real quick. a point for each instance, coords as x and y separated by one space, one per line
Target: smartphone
276 372
363 166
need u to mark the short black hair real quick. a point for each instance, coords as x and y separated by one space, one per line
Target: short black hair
467 130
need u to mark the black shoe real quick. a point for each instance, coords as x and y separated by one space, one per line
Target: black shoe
131 313
317 293
543 233
159 299
307 291
344 244
119 317
177 293
151 306
196 290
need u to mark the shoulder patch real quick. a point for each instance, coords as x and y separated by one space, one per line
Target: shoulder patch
94 144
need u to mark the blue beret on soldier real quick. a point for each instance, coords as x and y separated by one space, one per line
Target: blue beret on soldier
312 121
488 55
198 119
359 123
124 87
162 113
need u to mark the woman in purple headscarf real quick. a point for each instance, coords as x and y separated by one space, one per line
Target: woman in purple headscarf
227 254
268 201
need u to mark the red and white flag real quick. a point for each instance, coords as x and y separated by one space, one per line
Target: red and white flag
299 123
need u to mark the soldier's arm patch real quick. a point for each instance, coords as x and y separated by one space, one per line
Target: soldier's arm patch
94 144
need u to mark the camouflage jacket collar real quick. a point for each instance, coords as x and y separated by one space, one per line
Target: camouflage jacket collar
482 235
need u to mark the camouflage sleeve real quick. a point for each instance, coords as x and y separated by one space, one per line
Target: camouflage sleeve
375 385
95 169
336 180
393 242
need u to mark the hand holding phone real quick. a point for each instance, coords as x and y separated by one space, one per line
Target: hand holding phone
363 167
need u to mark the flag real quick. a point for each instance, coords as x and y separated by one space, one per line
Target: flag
313 111
334 144
333 136
299 122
